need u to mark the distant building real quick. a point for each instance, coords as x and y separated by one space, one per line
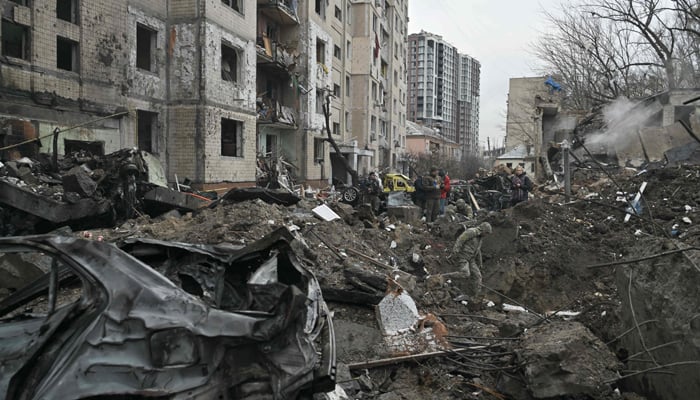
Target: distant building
423 140
443 89
468 104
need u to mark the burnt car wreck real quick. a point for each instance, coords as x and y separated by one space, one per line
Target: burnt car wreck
163 319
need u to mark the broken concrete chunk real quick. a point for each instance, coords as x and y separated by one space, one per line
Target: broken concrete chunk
397 313
12 169
566 359
337 394
78 181
405 213
25 173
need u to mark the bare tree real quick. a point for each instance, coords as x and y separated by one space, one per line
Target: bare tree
604 49
327 119
596 59
656 26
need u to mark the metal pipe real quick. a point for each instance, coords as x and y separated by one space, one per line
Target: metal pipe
53 286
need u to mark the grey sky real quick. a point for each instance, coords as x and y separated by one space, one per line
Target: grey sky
497 33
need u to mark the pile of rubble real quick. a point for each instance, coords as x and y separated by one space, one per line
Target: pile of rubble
85 191
554 318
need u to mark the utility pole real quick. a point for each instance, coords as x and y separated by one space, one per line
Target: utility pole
567 170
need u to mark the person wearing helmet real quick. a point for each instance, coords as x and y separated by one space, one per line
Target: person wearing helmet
466 253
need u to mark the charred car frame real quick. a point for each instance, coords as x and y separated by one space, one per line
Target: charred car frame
164 320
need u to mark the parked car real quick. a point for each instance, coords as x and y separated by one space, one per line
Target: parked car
397 183
163 320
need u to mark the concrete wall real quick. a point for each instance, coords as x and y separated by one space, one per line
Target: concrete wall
184 86
523 122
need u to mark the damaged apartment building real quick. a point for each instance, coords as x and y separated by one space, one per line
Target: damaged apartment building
175 78
352 51
208 86
632 132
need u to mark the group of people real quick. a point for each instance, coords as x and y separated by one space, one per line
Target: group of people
431 193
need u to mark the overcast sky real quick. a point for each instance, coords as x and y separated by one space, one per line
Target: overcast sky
498 33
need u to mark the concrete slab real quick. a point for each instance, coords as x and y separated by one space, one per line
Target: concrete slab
397 313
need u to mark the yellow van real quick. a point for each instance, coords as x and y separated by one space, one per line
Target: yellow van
397 183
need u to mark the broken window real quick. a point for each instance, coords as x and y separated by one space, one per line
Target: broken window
320 51
67 54
231 138
321 8
145 47
15 40
147 123
271 145
67 10
229 63
336 90
36 300
235 4
318 150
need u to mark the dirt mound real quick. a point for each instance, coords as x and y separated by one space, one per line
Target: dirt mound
538 256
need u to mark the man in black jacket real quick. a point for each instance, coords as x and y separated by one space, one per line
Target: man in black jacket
521 186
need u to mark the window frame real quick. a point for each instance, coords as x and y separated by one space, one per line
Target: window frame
74 11
26 40
74 54
238 138
152 40
235 51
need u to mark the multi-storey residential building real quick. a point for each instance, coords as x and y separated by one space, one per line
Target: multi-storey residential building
209 86
375 85
443 89
468 104
184 72
352 51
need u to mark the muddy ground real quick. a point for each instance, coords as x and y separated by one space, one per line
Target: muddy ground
538 257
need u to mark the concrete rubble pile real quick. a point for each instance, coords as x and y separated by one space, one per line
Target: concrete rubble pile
553 318
85 191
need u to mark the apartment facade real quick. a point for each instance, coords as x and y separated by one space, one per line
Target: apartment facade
176 78
468 104
211 86
372 85
443 90
349 52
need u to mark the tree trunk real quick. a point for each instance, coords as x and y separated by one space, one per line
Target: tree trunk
346 163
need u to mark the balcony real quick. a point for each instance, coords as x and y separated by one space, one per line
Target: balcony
274 57
282 12
272 113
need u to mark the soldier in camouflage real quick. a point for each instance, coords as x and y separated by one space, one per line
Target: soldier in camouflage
467 256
